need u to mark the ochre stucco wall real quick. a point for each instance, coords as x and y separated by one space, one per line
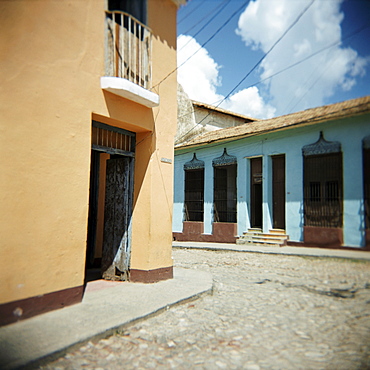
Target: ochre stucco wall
52 58
152 235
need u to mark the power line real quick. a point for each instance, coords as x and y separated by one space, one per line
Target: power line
354 33
256 65
205 17
366 25
269 51
205 43
191 12
262 132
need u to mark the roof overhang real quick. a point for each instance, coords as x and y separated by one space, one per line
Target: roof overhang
338 111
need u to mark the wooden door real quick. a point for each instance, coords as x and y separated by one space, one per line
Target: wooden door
366 163
117 217
256 193
278 191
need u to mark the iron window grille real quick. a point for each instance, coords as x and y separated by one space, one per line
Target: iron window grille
224 192
323 184
194 190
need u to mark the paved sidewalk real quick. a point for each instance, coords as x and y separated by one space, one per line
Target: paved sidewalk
287 250
106 307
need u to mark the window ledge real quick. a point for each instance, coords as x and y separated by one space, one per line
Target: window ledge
129 90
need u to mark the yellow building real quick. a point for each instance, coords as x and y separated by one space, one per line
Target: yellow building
88 118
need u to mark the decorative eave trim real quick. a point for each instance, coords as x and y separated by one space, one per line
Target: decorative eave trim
322 146
224 160
194 164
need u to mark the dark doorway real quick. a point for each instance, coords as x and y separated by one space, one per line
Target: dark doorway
278 191
366 163
110 203
256 192
93 209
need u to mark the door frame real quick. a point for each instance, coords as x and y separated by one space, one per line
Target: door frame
116 142
256 192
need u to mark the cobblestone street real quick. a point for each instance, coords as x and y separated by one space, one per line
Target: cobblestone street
266 312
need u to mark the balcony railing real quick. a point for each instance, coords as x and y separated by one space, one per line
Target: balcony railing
128 48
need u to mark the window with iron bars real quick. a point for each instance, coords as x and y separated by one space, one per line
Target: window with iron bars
225 193
323 190
194 195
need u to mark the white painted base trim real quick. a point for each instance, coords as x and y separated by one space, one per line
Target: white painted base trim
129 90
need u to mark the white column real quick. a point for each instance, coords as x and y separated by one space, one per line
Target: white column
241 186
266 193
353 220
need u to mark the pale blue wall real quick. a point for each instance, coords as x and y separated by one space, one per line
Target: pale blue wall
348 132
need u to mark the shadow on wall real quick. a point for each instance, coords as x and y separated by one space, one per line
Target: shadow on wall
139 119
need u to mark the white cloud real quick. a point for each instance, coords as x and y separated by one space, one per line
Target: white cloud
249 102
309 83
199 77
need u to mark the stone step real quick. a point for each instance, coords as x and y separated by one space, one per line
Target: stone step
249 242
275 237
254 231
249 235
277 231
267 237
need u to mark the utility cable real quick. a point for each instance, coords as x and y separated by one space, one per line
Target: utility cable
269 51
354 33
256 65
205 43
358 30
191 12
267 130
226 2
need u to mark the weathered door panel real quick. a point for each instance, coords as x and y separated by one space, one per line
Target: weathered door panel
278 191
117 218
366 163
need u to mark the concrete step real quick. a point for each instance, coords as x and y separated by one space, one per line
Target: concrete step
254 231
260 243
275 237
277 231
266 237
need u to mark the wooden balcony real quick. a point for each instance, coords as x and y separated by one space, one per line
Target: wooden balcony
128 48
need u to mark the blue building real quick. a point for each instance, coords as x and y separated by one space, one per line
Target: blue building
300 179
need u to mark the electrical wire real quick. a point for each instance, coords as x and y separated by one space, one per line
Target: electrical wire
205 43
265 131
255 66
191 12
226 2
336 43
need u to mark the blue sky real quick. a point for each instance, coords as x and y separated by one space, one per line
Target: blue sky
336 73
